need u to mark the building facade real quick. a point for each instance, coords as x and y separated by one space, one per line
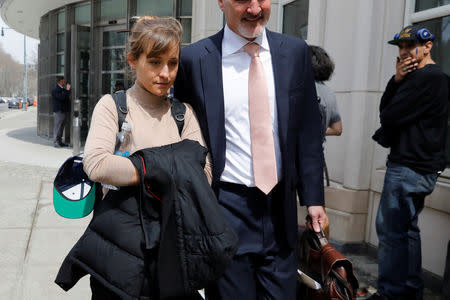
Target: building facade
85 42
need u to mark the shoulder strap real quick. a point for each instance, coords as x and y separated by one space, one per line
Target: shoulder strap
178 111
120 98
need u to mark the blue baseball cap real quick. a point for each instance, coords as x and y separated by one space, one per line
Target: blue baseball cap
414 33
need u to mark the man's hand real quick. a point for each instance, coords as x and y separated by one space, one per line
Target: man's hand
316 216
404 67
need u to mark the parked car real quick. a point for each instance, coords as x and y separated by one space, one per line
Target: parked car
2 100
13 103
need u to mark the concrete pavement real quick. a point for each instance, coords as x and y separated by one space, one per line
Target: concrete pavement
33 238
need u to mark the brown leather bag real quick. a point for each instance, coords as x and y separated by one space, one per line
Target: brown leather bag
322 262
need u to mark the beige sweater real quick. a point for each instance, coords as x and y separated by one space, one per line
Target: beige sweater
152 125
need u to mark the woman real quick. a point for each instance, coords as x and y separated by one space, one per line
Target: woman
154 48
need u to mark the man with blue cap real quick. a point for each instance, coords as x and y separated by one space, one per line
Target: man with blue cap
413 115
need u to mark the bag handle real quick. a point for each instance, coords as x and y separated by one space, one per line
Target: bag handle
319 238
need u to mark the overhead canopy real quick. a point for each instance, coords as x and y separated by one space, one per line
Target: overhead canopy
24 15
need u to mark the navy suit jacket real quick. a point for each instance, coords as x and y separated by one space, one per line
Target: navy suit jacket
199 82
60 99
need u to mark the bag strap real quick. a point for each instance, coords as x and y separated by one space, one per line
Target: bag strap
178 111
120 99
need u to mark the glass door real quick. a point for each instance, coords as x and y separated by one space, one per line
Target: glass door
80 54
113 60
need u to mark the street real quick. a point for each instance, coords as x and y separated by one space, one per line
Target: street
3 107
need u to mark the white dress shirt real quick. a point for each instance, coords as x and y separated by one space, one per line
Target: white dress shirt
235 66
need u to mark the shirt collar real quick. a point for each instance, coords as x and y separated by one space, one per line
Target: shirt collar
233 43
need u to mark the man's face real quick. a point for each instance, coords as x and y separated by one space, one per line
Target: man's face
417 51
408 49
246 17
62 82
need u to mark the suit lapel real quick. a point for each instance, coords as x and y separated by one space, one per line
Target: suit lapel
211 76
279 63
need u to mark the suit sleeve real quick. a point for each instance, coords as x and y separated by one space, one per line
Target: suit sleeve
309 142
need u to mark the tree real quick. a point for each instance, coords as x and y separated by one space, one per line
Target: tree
11 75
32 75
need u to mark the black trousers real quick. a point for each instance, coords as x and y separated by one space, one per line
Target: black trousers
264 266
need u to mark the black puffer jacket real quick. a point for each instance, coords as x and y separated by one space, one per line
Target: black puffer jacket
166 238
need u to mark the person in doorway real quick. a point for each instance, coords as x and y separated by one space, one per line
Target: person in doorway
61 105
253 92
413 115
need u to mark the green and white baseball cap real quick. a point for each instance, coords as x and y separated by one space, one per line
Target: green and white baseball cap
73 191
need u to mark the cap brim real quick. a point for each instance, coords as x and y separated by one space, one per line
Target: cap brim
67 207
393 42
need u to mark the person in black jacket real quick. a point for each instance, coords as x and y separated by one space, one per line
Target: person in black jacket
156 235
413 115
60 102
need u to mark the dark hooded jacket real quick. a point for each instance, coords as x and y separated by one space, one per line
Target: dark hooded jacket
165 238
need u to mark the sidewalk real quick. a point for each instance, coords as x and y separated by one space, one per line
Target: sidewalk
33 238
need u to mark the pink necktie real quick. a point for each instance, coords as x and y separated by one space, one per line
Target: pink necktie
263 149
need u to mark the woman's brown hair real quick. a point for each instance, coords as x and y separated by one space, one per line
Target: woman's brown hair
154 36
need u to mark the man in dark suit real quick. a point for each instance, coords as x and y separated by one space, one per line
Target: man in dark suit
254 95
60 103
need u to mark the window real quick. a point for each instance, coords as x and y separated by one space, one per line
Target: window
113 59
60 42
111 9
114 38
182 11
295 18
185 7
184 15
155 8
61 21
438 22
60 64
83 14
427 4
